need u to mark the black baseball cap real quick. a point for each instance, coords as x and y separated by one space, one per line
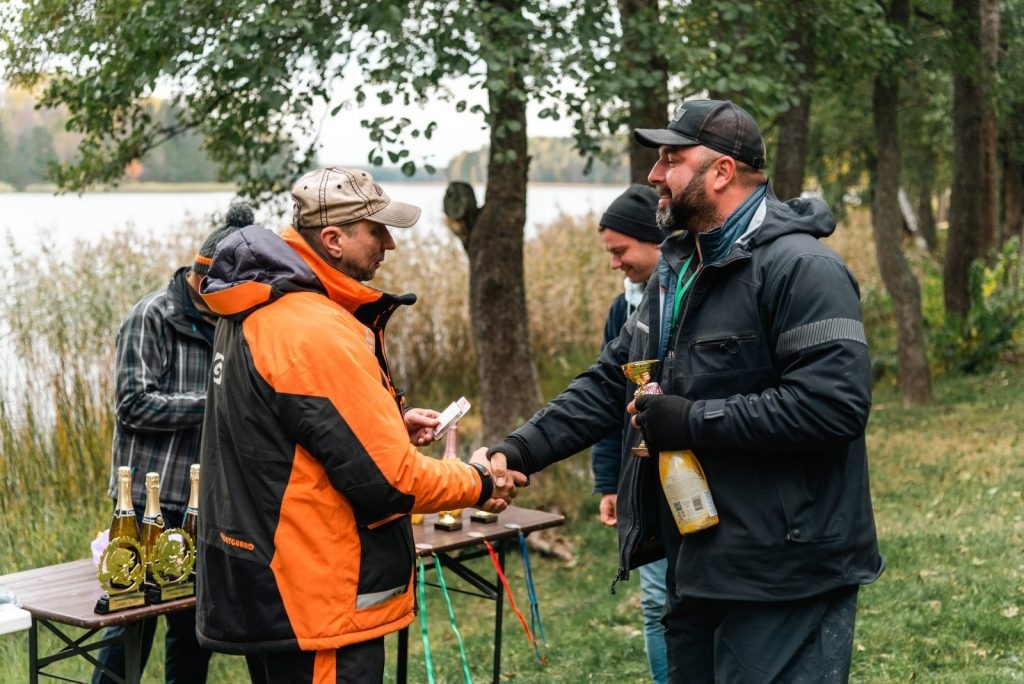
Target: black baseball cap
717 124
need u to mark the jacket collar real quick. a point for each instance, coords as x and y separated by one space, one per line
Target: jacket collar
254 267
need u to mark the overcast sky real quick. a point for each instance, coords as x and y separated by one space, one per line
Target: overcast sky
344 141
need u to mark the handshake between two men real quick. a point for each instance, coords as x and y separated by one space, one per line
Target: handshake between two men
421 422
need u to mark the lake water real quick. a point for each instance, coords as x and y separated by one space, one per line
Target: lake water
35 219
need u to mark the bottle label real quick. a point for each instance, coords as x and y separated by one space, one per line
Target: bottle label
687 492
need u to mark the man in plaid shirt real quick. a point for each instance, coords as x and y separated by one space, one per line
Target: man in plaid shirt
164 348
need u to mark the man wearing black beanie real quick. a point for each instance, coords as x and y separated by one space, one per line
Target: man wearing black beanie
632 238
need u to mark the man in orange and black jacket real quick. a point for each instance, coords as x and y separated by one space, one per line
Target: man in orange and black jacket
310 467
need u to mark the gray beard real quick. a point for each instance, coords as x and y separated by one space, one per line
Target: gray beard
665 219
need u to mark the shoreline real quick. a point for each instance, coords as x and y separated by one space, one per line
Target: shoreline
142 188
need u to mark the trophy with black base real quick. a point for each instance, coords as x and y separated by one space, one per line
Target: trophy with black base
483 517
122 565
121 573
170 565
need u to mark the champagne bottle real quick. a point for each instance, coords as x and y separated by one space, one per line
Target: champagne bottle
686 489
152 520
191 520
124 524
451 452
450 520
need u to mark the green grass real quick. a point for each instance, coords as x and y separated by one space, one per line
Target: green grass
947 484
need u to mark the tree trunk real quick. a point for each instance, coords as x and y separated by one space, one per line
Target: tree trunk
886 224
1013 199
1013 175
791 152
646 109
991 238
509 393
926 219
966 211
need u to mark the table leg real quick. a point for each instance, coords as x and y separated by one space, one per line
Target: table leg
133 652
33 652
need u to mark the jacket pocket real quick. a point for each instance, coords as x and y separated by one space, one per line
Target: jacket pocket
724 353
387 563
811 501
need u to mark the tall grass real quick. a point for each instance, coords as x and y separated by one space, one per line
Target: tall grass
947 478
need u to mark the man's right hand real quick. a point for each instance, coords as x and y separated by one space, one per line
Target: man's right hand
505 481
608 510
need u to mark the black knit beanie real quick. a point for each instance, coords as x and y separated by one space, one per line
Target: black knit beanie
239 215
632 213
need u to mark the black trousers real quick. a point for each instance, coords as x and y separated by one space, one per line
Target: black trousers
361 663
748 642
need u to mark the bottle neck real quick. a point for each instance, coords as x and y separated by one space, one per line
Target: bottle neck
152 502
451 443
193 494
124 496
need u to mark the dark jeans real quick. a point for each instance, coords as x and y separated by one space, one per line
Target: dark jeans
184 661
746 642
361 663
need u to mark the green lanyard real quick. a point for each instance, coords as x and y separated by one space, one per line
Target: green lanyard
681 289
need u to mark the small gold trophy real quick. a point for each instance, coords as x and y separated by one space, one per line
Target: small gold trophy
171 561
682 478
640 373
121 573
483 517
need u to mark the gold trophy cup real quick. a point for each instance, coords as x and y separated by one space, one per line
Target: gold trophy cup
641 373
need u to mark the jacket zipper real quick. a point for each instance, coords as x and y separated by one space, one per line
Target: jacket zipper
631 531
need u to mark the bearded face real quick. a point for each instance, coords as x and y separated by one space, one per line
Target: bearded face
689 209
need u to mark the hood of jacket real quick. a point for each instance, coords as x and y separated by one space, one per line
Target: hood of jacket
254 267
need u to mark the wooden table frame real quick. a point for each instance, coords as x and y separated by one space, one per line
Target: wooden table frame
64 595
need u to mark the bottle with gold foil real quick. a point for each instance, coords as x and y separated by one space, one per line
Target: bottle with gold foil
124 524
121 568
450 520
152 520
190 523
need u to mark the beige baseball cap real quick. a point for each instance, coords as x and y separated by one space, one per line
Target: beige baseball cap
334 196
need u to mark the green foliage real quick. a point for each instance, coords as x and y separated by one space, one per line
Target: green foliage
552 160
36 137
995 324
36 153
248 75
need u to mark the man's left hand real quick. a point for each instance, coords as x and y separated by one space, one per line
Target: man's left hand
420 423
664 420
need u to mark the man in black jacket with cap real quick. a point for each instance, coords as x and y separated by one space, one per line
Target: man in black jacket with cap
766 376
